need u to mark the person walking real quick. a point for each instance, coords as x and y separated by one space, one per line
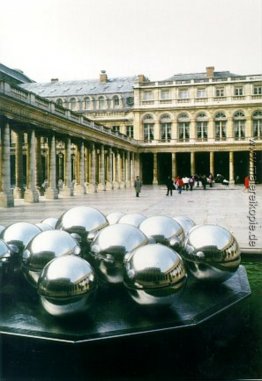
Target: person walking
137 185
169 186
180 184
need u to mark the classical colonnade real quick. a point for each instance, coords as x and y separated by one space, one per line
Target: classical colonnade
30 157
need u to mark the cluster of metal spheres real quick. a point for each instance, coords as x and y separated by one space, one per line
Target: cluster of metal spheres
67 259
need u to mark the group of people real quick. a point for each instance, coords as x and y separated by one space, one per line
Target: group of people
188 183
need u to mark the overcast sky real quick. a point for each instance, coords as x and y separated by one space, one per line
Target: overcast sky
76 39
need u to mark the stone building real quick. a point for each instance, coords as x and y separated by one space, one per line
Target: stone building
97 135
208 122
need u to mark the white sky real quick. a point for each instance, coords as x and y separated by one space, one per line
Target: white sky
75 39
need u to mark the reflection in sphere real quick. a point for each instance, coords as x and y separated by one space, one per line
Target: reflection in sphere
44 227
5 258
82 220
164 230
211 253
186 223
111 245
114 217
154 275
132 219
51 221
43 248
67 286
19 234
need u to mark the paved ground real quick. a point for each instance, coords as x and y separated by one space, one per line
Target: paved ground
228 207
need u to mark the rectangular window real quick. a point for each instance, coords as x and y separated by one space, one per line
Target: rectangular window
257 90
116 128
183 131
183 94
201 93
130 131
220 92
148 132
202 131
238 91
165 94
148 95
165 132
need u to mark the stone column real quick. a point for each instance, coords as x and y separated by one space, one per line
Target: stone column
52 191
81 187
39 163
109 182
19 186
67 188
211 162
192 163
128 171
174 166
102 183
132 168
231 168
117 172
123 170
92 187
6 195
31 193
155 171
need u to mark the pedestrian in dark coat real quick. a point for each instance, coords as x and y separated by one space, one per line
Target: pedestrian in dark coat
137 185
169 186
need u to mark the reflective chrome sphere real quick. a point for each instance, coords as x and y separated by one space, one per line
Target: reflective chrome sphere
211 253
43 248
5 258
18 235
111 245
44 227
154 275
186 223
51 221
67 285
2 228
163 229
82 220
114 217
132 219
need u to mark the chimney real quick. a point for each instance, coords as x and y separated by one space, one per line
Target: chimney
54 79
103 76
140 78
210 71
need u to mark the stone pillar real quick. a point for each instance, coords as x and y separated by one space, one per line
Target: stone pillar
109 182
117 171
19 186
52 192
211 163
174 166
31 193
132 168
81 187
39 163
231 168
102 183
155 171
192 163
6 195
128 171
123 170
92 187
67 188
249 129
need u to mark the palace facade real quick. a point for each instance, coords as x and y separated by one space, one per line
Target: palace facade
199 123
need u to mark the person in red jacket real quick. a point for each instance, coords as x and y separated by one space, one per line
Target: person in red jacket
246 183
180 184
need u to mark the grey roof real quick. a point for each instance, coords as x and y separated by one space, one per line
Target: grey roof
81 87
201 76
15 74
